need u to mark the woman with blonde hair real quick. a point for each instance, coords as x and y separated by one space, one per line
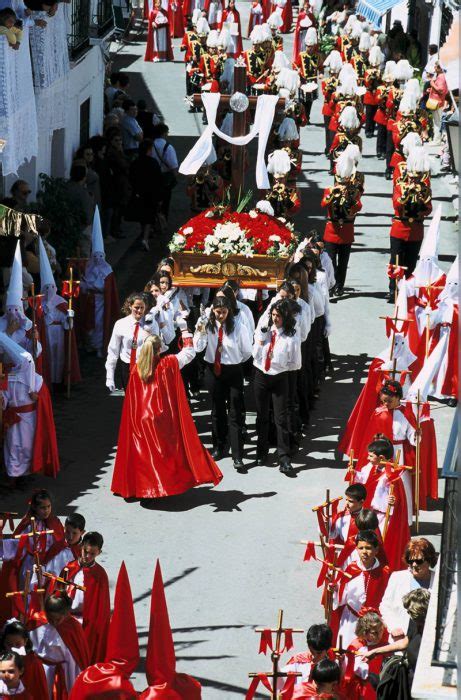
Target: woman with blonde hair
159 452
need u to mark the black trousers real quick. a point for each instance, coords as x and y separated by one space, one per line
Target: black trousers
408 252
302 385
390 148
294 423
227 407
275 387
370 111
124 368
329 135
339 254
381 137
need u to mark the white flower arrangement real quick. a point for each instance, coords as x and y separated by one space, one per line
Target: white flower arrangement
228 239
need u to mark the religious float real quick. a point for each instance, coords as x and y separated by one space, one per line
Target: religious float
220 243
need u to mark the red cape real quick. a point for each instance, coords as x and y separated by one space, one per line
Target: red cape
182 687
239 43
102 681
96 607
42 365
450 382
34 677
71 633
45 456
176 19
159 451
150 53
75 375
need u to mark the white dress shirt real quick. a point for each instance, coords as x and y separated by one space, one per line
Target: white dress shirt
302 319
121 341
236 347
286 351
246 316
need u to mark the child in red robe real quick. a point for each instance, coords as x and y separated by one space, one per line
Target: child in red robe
92 606
343 523
361 674
365 587
319 641
68 549
15 638
11 670
326 676
58 638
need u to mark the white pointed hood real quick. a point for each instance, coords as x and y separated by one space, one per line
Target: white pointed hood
430 368
451 289
23 363
97 269
427 270
46 273
97 241
401 354
15 289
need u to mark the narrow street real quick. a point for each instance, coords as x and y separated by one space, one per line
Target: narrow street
231 556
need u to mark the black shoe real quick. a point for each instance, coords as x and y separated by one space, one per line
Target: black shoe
381 156
217 454
305 428
452 402
329 370
390 297
286 467
333 290
388 174
238 464
339 291
261 460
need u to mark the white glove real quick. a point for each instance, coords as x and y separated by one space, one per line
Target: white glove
70 313
181 323
110 385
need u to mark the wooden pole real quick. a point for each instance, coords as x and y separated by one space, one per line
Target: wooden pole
418 459
34 322
389 509
239 129
69 337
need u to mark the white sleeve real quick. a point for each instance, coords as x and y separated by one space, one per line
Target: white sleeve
245 342
389 611
186 355
113 352
361 668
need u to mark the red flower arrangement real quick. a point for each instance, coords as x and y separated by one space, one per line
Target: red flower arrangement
226 232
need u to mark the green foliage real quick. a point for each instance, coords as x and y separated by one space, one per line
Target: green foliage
65 217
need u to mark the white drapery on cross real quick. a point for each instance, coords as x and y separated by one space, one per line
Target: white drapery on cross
264 116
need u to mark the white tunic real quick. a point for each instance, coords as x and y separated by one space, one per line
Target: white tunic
56 324
48 644
354 595
381 496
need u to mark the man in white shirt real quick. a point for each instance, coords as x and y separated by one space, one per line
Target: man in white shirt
429 69
166 157
131 131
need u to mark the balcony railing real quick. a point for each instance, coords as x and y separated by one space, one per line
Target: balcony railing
102 19
78 37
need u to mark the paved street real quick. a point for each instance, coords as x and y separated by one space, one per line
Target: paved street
231 556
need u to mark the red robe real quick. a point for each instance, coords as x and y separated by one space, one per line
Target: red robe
96 606
45 456
71 633
151 53
355 687
309 690
159 452
238 39
98 679
111 309
450 382
287 16
9 575
381 422
297 35
175 19
34 677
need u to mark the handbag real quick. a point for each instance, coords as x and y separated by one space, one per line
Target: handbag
432 104
169 178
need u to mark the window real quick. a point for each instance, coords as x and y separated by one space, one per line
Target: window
85 121
78 40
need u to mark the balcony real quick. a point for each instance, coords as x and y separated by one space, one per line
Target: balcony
78 32
102 20
18 116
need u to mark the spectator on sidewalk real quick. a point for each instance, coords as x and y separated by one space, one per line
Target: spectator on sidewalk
19 191
438 92
106 182
119 84
85 156
166 157
120 168
131 131
79 195
145 119
146 181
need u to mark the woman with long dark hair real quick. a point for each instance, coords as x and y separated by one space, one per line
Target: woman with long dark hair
227 345
276 354
159 452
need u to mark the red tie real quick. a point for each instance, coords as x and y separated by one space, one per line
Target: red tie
134 345
217 357
267 364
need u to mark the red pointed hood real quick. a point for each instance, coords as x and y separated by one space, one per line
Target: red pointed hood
160 657
122 642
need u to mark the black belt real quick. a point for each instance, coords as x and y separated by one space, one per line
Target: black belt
408 221
341 221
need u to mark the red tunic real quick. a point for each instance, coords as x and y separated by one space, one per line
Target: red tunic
96 606
404 228
355 687
339 231
175 19
152 52
34 678
159 452
238 39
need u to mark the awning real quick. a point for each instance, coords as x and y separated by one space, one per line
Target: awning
375 9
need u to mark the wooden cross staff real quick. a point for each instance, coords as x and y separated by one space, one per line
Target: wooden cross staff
419 403
24 594
275 674
64 581
350 467
239 126
34 532
327 504
395 267
429 288
394 465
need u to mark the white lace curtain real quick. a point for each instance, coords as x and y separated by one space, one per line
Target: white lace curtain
18 117
48 47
